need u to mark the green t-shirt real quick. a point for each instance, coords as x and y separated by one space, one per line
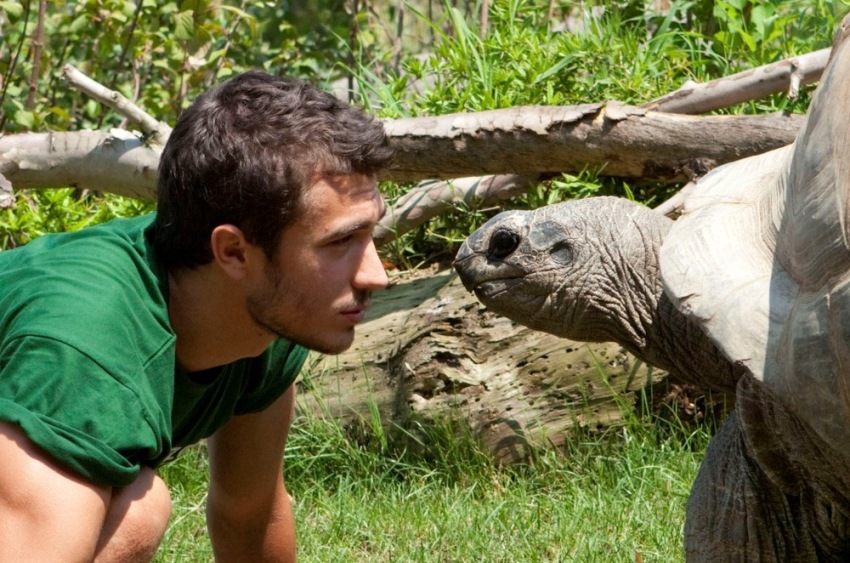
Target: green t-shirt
87 361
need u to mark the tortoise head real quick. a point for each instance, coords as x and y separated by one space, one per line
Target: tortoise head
584 269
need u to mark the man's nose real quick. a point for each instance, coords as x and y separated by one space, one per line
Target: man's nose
370 274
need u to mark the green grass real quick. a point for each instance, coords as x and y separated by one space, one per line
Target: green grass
611 497
39 212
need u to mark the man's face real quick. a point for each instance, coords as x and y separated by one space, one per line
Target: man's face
318 283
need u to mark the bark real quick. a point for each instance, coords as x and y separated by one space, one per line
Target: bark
619 140
430 351
117 162
616 139
786 75
154 130
37 47
432 198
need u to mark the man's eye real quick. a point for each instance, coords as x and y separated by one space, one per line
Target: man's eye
342 241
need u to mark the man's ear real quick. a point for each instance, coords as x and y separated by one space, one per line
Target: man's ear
232 252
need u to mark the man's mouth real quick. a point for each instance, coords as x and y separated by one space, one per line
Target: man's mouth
356 315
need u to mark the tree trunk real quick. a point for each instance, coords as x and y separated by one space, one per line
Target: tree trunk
429 351
117 162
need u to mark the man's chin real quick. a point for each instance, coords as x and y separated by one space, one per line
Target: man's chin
330 347
327 342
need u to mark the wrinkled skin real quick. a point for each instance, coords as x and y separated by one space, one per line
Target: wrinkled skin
587 270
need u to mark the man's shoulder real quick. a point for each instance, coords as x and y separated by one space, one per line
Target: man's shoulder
98 284
87 264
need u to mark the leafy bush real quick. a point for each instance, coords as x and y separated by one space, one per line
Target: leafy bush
160 53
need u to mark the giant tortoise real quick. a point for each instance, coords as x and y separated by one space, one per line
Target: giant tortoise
748 290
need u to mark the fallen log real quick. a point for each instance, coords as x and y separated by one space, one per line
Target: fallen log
433 197
429 351
613 139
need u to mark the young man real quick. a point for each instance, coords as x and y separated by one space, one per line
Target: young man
123 343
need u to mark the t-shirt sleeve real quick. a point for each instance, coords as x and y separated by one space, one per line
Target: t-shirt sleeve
278 368
74 410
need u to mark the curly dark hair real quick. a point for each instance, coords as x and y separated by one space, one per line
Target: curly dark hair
244 152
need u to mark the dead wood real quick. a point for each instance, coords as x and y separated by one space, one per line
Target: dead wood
117 162
613 139
155 131
433 197
786 75
430 351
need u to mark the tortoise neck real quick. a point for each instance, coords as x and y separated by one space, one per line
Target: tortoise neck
680 346
652 328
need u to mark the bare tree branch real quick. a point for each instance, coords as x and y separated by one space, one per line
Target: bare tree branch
433 197
615 139
157 131
38 46
786 75
7 198
116 161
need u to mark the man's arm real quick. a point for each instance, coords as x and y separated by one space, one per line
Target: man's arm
50 514
46 513
248 511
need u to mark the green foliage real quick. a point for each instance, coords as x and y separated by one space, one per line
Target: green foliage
580 53
55 211
161 53
592 53
766 29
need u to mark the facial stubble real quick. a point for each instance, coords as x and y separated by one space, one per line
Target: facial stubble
262 305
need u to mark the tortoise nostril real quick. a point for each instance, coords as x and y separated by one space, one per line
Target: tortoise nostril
502 244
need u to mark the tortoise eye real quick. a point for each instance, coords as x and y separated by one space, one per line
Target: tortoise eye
562 253
502 244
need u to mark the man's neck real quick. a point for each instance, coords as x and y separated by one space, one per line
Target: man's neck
209 317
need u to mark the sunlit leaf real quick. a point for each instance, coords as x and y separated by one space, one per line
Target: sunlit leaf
14 9
184 24
26 119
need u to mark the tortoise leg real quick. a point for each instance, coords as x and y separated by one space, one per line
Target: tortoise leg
736 513
811 473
